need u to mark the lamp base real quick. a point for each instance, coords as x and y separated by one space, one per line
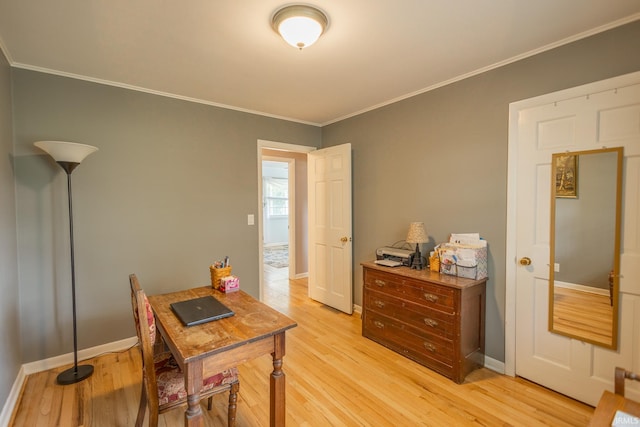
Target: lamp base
75 374
416 262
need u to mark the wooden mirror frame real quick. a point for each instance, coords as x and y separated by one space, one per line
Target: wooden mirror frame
570 188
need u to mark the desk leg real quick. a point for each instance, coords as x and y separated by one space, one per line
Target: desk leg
277 404
193 383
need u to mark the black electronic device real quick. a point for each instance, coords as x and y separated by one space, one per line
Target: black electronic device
200 310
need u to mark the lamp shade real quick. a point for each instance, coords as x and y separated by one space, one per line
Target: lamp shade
417 233
62 151
299 25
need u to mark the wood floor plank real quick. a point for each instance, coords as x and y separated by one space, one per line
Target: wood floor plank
583 314
335 377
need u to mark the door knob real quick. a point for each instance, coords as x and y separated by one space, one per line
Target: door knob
344 239
525 261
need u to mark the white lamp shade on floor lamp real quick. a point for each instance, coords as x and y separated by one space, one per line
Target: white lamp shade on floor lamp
63 151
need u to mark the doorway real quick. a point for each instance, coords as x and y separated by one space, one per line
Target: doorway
295 157
278 217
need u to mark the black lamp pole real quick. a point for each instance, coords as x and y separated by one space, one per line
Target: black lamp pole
77 373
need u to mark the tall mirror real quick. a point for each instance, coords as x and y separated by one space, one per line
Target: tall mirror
584 267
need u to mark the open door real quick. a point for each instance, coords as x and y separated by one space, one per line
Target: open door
600 114
330 242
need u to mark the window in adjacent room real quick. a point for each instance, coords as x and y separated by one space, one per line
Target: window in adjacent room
276 197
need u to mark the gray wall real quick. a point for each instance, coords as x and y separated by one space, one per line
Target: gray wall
10 359
441 157
167 193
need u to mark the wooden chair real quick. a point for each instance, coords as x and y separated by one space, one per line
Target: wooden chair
163 386
620 375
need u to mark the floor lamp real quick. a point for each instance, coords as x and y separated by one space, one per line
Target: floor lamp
69 155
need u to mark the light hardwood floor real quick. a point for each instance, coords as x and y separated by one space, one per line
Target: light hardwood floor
335 377
583 314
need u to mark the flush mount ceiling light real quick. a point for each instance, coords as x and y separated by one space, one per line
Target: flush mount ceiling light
299 25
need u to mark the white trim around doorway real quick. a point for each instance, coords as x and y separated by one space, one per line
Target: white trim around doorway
273 145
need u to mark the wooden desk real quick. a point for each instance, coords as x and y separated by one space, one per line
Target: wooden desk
255 329
608 405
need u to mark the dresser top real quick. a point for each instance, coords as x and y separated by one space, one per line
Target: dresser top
426 274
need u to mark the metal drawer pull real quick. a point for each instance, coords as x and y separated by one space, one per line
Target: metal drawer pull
380 282
379 304
378 324
430 322
431 297
430 347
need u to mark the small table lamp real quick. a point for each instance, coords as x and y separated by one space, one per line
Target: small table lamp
417 235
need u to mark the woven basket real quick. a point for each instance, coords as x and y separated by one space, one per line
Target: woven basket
217 274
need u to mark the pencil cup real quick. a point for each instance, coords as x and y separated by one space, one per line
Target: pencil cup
217 274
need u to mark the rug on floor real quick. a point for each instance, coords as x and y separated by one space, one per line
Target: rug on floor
276 256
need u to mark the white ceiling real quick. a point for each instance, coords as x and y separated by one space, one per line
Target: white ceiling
224 52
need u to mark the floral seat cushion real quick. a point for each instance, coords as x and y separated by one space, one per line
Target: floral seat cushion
171 380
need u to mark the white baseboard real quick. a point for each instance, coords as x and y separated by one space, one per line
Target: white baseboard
301 276
54 362
275 244
87 353
12 399
582 288
357 308
494 365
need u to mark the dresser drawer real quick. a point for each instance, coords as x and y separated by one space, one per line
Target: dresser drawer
432 346
416 315
430 294
431 351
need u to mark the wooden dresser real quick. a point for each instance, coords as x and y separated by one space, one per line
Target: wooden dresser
435 319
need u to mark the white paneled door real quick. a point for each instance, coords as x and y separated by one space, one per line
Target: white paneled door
603 114
330 245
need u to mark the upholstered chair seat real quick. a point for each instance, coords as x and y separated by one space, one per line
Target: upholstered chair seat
171 380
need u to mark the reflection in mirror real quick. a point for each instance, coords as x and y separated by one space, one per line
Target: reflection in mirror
586 192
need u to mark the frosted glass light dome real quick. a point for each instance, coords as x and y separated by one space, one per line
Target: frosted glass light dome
299 25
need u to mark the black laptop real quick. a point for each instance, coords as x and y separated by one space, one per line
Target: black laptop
200 310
